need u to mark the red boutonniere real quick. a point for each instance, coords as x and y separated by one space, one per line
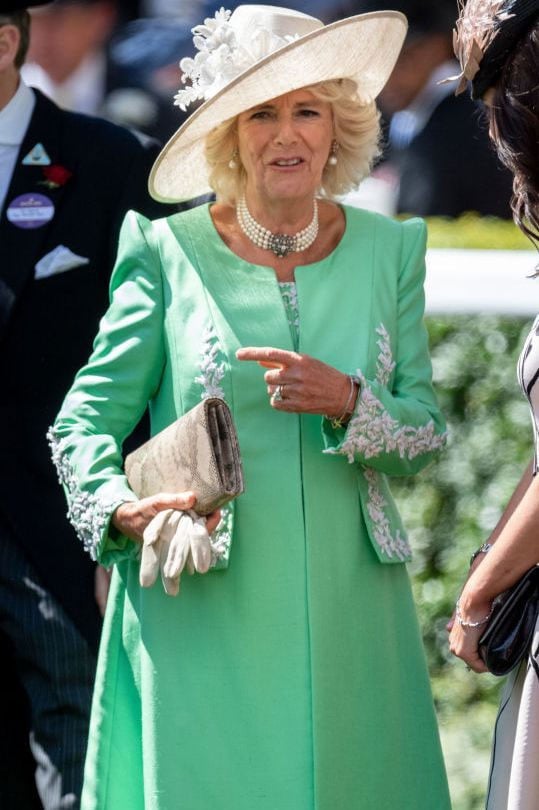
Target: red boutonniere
55 176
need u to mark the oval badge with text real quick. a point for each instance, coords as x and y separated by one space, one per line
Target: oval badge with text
30 211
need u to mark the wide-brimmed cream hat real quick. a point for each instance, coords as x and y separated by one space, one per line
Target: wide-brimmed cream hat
258 53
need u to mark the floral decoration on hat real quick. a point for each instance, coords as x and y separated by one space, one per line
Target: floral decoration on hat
221 58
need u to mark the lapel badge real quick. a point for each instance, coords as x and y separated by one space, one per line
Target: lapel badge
37 156
30 211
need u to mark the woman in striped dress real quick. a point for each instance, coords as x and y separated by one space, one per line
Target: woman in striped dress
497 43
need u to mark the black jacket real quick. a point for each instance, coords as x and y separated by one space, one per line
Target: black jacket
47 325
451 167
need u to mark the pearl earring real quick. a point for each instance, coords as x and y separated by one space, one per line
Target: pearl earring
332 159
232 163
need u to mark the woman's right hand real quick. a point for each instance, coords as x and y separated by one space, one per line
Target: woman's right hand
173 537
463 639
132 517
474 565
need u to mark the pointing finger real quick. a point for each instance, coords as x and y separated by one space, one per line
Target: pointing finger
267 356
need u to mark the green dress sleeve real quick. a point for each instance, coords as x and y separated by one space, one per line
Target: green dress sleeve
396 427
110 394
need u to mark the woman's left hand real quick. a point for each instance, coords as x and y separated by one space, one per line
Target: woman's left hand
305 384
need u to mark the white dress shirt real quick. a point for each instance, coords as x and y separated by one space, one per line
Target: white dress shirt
14 121
407 124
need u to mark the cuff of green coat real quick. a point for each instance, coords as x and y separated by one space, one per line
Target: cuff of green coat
94 526
342 440
90 512
113 547
372 430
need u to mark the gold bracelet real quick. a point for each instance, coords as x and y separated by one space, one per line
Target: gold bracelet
337 422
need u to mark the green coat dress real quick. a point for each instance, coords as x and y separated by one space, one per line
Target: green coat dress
291 677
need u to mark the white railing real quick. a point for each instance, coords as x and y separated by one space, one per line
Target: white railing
481 281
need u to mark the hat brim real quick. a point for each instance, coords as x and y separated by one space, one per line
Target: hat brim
363 48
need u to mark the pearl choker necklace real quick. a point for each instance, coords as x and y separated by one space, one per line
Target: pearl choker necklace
279 243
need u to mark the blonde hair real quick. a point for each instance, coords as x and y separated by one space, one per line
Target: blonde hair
357 133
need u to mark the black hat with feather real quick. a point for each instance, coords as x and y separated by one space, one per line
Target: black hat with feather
487 32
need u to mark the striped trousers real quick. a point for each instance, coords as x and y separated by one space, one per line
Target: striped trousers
56 668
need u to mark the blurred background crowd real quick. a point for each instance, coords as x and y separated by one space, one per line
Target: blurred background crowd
119 59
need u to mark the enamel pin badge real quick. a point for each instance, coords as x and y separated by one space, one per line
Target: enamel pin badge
30 211
37 156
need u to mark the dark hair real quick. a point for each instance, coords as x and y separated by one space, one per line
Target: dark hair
21 20
514 129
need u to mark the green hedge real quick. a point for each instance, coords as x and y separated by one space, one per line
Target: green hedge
471 231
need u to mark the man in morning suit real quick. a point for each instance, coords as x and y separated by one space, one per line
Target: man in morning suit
66 181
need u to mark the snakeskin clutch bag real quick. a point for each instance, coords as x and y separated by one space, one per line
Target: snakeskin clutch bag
198 452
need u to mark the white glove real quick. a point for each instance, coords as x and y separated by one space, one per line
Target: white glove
174 540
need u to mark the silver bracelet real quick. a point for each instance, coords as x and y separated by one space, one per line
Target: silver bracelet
483 549
464 623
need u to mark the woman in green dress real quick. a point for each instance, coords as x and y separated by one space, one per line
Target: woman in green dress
290 676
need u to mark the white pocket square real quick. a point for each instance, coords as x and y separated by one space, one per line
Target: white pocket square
58 261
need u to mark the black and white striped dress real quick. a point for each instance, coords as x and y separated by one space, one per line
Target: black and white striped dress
528 377
514 776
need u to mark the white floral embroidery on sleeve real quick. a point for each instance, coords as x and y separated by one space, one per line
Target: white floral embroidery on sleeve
372 430
384 363
212 371
396 546
88 514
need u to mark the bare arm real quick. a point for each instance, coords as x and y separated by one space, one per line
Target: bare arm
516 546
514 501
515 549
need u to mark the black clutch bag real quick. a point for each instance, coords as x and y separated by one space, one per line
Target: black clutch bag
509 633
